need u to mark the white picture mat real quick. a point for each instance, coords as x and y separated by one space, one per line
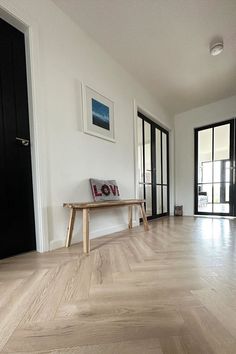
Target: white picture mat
89 127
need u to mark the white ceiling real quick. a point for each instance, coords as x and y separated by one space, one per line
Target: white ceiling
164 44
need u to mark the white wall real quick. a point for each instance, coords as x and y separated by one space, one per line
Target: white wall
184 145
63 56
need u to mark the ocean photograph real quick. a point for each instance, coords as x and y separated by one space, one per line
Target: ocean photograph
100 113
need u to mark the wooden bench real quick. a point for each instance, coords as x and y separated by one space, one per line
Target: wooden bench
85 207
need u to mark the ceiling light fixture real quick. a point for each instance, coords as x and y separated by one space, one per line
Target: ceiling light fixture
216 48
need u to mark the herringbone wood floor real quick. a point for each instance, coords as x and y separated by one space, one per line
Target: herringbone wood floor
170 290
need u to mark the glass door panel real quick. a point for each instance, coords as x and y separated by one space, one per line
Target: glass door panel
164 158
159 200
222 142
165 172
165 199
158 156
205 156
148 168
148 198
140 150
147 152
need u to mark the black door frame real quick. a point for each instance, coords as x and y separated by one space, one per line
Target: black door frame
232 193
154 126
17 41
25 25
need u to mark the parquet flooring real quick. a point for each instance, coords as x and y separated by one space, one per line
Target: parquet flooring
169 290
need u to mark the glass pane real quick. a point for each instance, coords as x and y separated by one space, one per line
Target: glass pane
221 192
206 172
159 205
222 142
217 193
147 142
217 171
205 198
140 150
158 156
221 208
222 171
205 155
164 157
165 199
148 189
141 188
227 192
227 171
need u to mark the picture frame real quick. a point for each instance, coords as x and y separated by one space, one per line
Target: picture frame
98 114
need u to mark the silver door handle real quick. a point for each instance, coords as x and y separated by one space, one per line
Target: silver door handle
24 142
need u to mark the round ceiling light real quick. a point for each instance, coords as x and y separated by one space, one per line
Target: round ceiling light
216 48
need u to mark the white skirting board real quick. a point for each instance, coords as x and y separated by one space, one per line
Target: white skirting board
54 244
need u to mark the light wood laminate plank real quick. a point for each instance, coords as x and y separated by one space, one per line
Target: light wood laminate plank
172 292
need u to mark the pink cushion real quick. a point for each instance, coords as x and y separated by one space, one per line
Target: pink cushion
104 189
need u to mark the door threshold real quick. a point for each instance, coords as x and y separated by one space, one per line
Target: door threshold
215 216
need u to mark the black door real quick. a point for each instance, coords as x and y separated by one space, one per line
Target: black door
215 169
17 230
153 166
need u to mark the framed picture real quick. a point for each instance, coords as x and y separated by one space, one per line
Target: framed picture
98 114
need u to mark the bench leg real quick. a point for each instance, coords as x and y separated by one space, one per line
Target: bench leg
130 224
70 227
86 241
145 223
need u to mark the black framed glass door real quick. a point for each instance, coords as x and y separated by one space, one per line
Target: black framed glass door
215 169
153 166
